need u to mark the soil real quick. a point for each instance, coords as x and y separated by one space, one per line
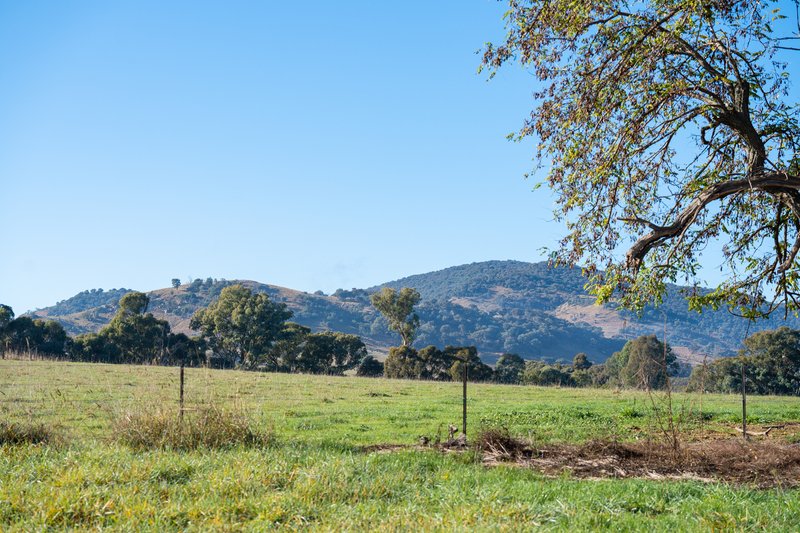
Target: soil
765 460
762 463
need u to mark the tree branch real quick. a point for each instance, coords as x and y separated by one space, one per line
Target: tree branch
773 182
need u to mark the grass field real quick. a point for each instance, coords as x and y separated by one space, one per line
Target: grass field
315 472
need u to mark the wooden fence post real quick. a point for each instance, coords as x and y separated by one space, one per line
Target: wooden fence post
464 416
181 400
744 401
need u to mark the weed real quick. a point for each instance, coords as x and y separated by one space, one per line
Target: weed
630 412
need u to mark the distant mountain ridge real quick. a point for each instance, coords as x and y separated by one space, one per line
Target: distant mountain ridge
498 306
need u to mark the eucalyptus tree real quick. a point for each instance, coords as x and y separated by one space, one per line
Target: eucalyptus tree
509 368
398 309
132 336
241 326
6 316
666 126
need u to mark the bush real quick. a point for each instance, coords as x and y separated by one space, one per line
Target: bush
207 427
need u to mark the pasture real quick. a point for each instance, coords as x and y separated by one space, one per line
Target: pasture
342 453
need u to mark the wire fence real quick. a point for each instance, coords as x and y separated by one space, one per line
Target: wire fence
86 398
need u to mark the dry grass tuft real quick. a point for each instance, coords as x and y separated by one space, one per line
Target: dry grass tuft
16 434
206 427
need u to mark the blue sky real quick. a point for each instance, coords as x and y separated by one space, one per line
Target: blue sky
313 145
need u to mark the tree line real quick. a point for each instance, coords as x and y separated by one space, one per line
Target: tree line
239 329
24 334
771 362
246 330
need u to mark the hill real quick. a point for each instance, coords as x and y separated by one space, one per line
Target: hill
540 307
499 306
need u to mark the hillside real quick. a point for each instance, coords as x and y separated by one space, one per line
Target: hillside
542 307
499 306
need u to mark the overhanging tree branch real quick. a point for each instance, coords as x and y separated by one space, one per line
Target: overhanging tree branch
626 90
773 183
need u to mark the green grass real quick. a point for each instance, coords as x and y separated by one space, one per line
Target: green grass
313 473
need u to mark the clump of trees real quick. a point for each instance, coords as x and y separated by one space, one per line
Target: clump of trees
542 373
514 370
404 362
24 334
327 352
509 368
251 331
643 363
240 327
135 336
771 362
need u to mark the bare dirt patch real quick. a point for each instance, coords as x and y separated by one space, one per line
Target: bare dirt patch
453 444
608 320
478 303
762 464
615 326
765 461
385 448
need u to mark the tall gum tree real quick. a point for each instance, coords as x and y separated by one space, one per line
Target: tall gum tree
398 309
665 126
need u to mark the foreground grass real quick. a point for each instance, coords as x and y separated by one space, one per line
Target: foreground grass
314 474
309 486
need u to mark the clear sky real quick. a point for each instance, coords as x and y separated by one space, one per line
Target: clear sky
313 145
